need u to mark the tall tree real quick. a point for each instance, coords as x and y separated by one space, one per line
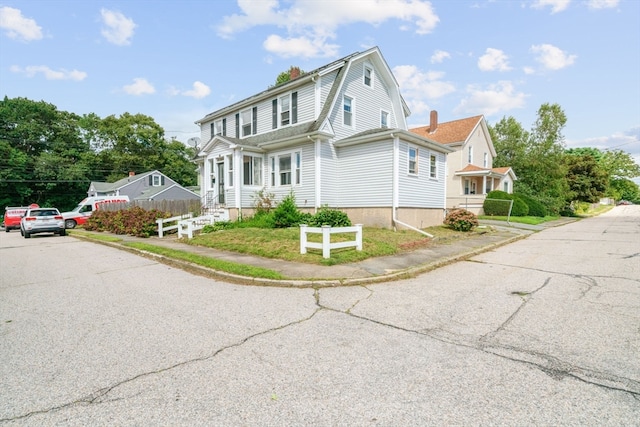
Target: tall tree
587 180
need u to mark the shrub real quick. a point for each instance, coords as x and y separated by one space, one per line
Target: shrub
286 213
331 217
461 220
263 202
134 221
495 207
536 208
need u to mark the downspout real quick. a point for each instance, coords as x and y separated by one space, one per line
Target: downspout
395 189
317 173
236 180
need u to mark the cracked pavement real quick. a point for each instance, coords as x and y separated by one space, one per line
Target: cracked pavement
544 331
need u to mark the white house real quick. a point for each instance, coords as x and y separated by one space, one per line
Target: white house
471 173
336 136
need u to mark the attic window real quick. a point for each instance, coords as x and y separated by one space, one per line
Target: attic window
368 76
156 180
348 111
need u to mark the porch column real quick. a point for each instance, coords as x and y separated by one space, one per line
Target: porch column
484 185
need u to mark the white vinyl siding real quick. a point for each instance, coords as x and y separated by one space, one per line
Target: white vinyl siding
424 192
371 160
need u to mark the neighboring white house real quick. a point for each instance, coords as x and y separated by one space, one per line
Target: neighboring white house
471 174
336 136
153 185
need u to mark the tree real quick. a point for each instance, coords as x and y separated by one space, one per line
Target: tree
587 180
288 75
536 157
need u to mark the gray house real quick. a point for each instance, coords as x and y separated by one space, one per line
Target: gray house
152 185
336 136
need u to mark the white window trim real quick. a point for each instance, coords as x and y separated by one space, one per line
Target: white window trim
229 170
470 155
156 180
243 124
353 109
416 172
217 125
253 175
295 171
385 112
366 67
432 166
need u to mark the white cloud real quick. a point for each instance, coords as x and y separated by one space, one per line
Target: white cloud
118 29
417 86
494 59
199 91
299 47
139 86
49 74
494 99
602 4
628 141
17 26
313 23
552 57
556 5
439 56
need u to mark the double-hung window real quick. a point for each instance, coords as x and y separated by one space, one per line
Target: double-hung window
284 110
368 76
217 128
286 169
433 166
285 113
470 155
485 161
229 170
413 161
249 121
252 170
347 118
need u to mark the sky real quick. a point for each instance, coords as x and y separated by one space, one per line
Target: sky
177 61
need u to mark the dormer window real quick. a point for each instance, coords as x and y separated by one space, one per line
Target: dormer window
368 76
156 180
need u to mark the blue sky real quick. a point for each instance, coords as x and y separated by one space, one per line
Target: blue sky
176 61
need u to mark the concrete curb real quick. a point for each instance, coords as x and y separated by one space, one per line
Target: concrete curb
303 283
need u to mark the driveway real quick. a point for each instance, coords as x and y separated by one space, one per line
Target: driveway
544 331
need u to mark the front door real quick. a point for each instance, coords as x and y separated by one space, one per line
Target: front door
221 183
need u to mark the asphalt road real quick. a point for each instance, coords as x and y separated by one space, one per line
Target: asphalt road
544 331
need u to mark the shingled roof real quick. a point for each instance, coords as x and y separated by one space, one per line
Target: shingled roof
456 131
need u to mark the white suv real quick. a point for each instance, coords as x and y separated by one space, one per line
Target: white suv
42 220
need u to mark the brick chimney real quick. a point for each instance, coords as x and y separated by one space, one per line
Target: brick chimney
294 72
433 121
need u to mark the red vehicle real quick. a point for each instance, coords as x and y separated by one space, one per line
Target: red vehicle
13 215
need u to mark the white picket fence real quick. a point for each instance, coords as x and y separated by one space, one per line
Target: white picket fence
188 226
326 244
162 228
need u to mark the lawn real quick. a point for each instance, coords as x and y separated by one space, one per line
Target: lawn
284 243
532 220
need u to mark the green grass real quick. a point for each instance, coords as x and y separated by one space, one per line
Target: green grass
284 243
101 237
533 220
205 261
